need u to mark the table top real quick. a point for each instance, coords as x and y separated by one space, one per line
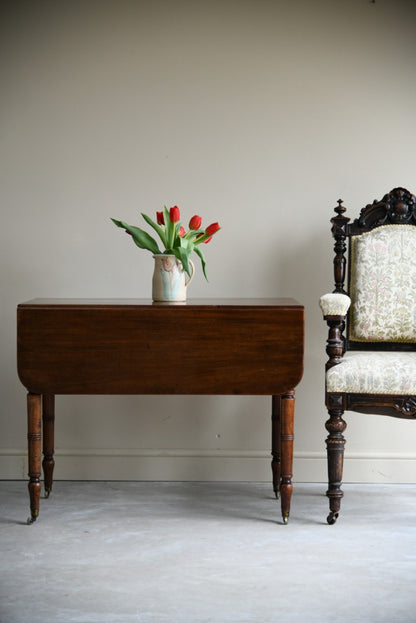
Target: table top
131 302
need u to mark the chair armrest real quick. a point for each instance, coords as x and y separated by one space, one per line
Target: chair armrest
334 308
334 304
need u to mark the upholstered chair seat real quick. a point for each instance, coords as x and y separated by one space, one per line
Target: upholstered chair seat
374 373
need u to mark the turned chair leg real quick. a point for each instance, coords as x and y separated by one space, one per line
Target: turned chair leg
48 421
335 443
34 418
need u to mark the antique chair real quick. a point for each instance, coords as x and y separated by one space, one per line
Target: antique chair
372 325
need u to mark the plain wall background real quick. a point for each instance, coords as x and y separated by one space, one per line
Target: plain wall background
257 113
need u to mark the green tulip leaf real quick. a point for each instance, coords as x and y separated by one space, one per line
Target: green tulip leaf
157 229
140 237
201 256
182 250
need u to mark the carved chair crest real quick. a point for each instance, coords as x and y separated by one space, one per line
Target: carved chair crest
397 207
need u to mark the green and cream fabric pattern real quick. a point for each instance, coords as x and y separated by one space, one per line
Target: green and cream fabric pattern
374 373
383 309
383 285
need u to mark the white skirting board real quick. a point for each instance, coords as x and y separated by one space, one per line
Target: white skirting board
208 465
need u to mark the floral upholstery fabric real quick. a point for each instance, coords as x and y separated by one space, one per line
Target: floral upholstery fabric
334 304
383 285
374 373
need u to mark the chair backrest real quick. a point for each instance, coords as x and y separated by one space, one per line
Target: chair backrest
381 272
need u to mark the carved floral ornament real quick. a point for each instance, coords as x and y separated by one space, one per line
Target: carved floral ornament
407 406
397 207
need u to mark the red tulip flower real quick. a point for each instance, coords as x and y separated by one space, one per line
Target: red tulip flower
212 229
207 240
181 232
174 214
195 222
160 218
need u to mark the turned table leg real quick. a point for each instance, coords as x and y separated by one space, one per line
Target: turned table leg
276 408
34 417
286 444
48 422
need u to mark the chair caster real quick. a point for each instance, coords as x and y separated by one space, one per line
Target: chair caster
285 519
277 493
47 493
332 518
31 519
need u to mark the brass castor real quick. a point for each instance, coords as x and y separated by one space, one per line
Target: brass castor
277 493
47 493
32 519
285 519
332 518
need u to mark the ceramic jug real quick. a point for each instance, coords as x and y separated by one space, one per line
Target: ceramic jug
170 281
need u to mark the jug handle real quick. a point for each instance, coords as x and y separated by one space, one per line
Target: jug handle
192 274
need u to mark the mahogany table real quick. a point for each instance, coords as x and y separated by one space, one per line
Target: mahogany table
131 346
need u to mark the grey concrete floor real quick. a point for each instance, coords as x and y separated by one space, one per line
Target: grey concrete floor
122 552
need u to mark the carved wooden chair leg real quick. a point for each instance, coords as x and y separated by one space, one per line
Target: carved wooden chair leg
286 444
276 471
48 420
335 443
34 417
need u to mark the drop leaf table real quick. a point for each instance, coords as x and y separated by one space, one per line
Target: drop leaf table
132 346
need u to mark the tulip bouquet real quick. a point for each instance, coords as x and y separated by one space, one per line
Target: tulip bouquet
176 241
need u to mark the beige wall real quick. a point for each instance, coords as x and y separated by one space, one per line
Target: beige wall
259 114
